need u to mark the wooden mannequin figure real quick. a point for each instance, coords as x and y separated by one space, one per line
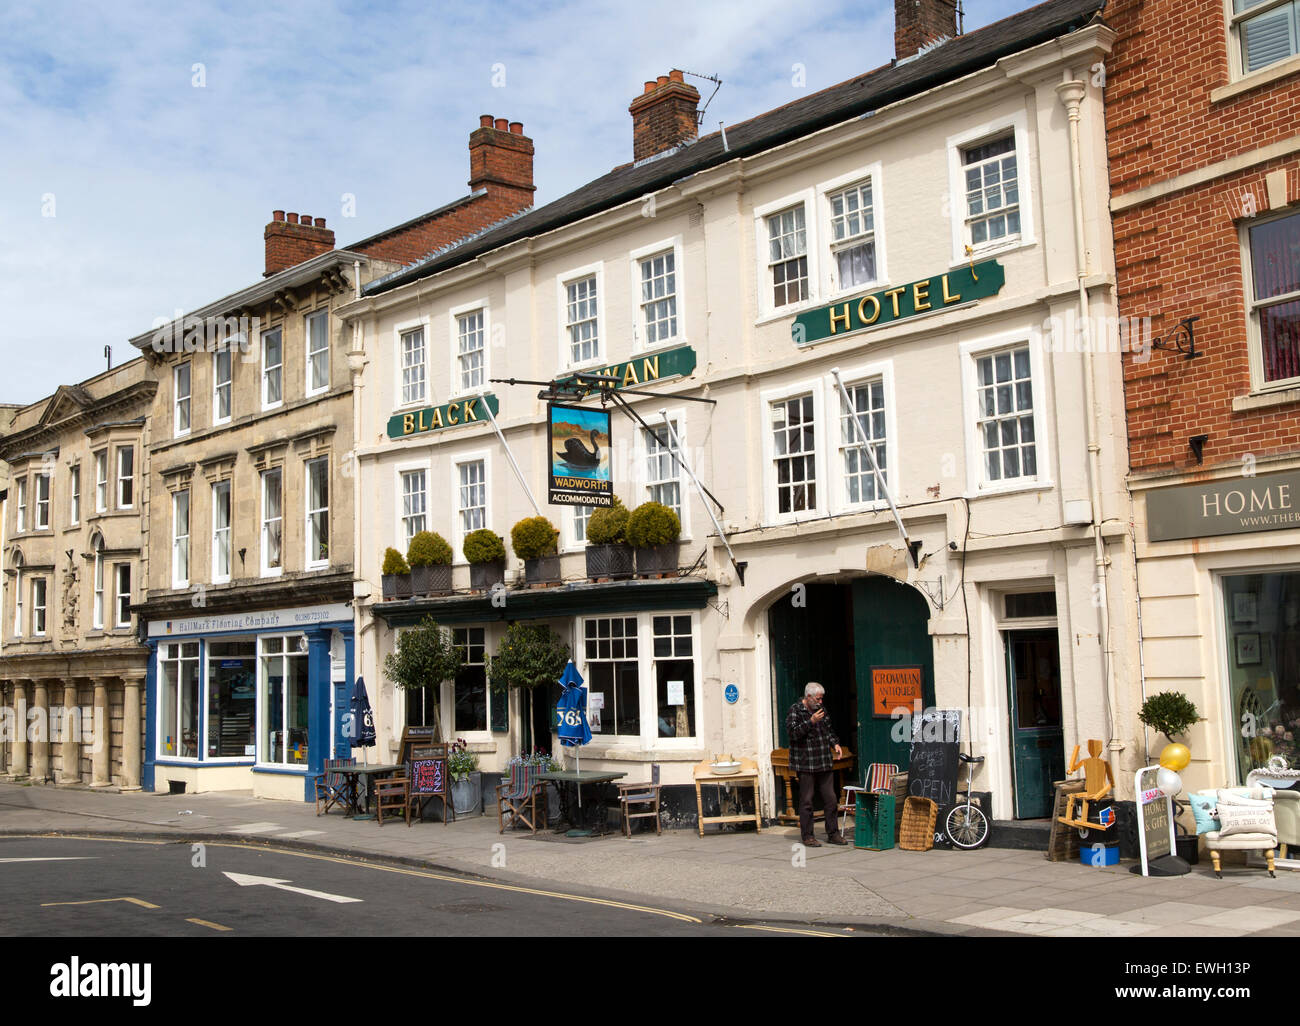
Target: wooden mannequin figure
1098 782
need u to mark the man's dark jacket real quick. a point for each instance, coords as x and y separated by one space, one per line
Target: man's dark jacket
811 744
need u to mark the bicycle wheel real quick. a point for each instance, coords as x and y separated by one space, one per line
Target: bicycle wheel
967 826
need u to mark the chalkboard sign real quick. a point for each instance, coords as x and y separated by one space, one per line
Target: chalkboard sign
932 768
429 770
415 736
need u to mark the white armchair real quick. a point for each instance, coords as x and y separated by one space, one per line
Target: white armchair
1249 824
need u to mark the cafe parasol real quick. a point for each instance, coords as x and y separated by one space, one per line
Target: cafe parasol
571 714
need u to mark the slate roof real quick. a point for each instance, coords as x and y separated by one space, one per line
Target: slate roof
867 93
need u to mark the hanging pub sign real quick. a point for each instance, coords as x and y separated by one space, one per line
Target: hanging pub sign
953 288
580 465
435 418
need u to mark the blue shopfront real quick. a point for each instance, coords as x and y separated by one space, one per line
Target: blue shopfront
248 701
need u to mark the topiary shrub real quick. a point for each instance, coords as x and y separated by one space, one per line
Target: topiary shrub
534 537
1170 712
608 525
484 546
394 564
651 524
428 549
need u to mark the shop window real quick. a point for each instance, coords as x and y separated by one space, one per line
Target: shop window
284 700
1006 415
613 684
1274 298
178 686
470 711
868 406
414 503
1267 31
231 693
659 297
674 675
794 449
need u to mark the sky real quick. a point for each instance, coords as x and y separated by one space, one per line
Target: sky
143 146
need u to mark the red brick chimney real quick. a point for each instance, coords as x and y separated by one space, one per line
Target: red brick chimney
918 23
501 161
290 241
663 116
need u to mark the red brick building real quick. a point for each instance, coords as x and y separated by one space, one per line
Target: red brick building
1202 99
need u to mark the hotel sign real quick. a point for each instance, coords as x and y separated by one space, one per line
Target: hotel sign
435 418
1238 505
954 288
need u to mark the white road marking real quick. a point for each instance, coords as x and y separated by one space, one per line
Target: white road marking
69 858
283 885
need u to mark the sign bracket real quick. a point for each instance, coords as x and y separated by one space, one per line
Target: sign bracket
511 457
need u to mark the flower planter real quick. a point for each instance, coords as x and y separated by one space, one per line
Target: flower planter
430 580
613 561
467 794
543 570
658 559
397 586
483 575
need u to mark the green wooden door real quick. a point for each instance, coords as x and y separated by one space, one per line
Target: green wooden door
889 629
1037 738
811 639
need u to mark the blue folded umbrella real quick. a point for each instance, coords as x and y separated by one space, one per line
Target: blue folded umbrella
360 728
571 709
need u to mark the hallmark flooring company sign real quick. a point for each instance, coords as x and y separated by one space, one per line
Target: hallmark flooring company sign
957 287
298 618
435 418
1238 505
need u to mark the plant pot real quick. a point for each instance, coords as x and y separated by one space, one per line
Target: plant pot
467 794
543 570
1185 847
612 561
397 586
658 559
483 575
430 580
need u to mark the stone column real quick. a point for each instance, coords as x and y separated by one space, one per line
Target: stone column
18 762
70 748
101 739
132 681
40 739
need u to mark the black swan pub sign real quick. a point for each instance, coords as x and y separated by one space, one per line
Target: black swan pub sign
578 442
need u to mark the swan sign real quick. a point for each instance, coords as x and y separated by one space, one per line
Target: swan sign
580 465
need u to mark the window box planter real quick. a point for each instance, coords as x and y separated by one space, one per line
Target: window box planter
397 586
612 561
543 570
658 559
483 575
430 580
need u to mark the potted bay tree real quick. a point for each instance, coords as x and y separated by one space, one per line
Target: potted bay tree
608 553
430 558
396 575
653 530
425 657
486 552
536 541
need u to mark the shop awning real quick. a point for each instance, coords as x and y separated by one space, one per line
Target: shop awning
576 599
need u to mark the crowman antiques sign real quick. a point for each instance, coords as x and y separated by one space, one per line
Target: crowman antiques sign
434 418
941 291
1237 505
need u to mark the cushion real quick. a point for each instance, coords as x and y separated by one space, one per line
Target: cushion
1256 797
1203 811
1244 819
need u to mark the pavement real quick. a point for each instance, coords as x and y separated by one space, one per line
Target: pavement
732 875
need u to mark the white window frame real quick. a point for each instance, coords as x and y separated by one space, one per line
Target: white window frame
40 608
18 595
218 385
970 352
832 289
1255 339
1026 169
20 505
399 526
770 503
118 620
569 539
97 588
562 283
308 389
263 522
1236 44
399 400
185 402
641 343
308 528
447 694
458 532
74 494
260 717
641 477
179 540
41 508
217 576
457 390
267 368
812 244
160 740
125 477
859 375
101 480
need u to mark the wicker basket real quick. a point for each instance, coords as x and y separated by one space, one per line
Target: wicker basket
916 832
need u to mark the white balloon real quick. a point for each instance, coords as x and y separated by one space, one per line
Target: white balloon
1169 782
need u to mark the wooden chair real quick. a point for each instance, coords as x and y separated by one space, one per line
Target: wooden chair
640 794
523 798
333 788
393 795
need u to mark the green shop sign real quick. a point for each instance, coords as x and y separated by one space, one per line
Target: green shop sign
953 288
671 363
435 418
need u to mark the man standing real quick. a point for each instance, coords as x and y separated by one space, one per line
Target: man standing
813 748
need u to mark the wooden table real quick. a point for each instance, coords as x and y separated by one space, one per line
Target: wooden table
354 773
577 778
781 767
746 776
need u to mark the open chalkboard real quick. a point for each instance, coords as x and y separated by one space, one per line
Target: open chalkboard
412 736
427 770
933 767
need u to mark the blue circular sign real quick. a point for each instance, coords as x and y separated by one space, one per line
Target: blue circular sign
732 694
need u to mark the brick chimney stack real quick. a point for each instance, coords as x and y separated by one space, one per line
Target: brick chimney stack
501 162
663 116
918 23
290 241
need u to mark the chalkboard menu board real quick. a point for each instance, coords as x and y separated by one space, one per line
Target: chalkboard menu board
429 770
412 736
932 768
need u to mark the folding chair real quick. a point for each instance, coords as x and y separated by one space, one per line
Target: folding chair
878 778
392 795
333 788
640 794
522 799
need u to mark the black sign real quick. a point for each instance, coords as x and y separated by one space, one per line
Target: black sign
578 444
932 768
429 770
412 736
